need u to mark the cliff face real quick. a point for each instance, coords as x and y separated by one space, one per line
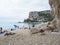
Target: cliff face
55 11
40 15
55 8
33 15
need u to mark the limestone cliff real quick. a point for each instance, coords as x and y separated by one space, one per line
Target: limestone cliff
39 16
55 12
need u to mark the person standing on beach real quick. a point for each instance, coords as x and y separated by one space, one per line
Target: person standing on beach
0 29
33 25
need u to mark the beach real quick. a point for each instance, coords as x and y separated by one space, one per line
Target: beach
24 37
29 22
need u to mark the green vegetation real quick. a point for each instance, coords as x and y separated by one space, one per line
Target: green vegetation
46 15
28 20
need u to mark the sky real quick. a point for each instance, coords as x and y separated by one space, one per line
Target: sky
18 10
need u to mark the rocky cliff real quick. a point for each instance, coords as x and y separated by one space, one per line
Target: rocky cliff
55 12
39 16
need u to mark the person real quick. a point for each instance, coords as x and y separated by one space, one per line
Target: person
1 32
29 27
0 29
8 33
41 30
33 25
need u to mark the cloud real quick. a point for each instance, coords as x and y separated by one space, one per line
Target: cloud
20 8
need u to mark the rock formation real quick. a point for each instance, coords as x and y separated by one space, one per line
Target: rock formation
55 12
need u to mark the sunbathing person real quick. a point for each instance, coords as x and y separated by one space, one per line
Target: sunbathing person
41 30
8 33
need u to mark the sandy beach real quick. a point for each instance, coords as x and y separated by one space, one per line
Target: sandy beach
24 37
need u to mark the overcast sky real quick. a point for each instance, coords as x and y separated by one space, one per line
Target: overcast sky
19 9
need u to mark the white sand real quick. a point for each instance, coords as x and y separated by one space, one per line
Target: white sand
23 37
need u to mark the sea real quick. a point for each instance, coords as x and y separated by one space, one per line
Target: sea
6 23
